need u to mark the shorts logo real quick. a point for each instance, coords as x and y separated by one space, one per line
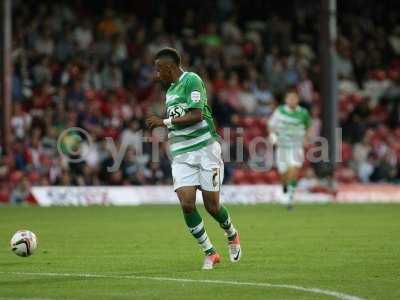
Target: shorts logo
215 178
195 96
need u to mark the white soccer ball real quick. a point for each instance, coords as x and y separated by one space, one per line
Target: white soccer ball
24 243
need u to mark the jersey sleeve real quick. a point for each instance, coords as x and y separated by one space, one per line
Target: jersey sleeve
195 93
307 119
273 121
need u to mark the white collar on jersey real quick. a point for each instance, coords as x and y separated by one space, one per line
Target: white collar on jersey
287 108
182 75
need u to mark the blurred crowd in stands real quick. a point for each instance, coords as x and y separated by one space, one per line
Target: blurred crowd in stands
93 69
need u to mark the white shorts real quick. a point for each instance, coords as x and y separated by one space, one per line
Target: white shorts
203 168
289 158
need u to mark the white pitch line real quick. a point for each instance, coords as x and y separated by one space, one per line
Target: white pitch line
334 294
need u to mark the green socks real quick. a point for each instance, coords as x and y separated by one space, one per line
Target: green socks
224 220
196 227
291 189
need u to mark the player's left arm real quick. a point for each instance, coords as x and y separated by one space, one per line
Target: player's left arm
307 124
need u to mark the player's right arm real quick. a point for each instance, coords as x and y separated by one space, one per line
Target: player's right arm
272 126
193 116
307 125
196 99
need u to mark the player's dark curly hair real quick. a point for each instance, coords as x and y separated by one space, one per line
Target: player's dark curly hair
169 53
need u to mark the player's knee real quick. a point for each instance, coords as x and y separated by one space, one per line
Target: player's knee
187 207
212 208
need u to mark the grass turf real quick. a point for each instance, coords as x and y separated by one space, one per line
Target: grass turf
354 249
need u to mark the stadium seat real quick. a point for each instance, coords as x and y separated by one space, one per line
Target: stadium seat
16 177
323 190
250 122
34 177
4 195
253 177
356 98
346 104
378 74
262 125
90 95
347 152
239 176
397 132
345 175
271 176
257 177
393 74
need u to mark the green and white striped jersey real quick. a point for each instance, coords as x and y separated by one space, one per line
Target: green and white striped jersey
187 93
290 126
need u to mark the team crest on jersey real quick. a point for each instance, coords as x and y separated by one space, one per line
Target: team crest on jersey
195 96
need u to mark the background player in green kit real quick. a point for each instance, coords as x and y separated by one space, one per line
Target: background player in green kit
289 125
197 161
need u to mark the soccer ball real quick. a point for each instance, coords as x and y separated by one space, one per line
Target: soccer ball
23 243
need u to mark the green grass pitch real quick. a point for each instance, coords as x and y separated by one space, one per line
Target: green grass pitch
349 249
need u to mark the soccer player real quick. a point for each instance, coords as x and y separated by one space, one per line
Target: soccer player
289 126
197 161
